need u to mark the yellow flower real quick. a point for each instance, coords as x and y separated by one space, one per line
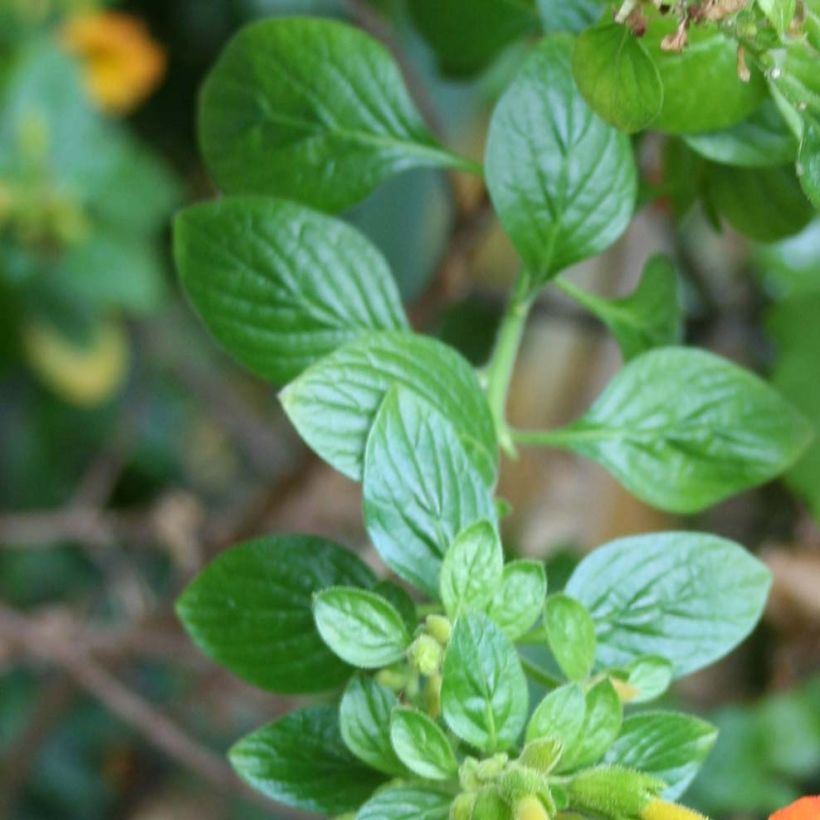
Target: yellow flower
660 810
123 65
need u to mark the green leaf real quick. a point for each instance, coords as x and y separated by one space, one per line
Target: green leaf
411 802
519 602
420 489
467 35
364 721
422 745
667 745
562 181
401 600
310 110
762 140
559 716
250 610
281 286
779 12
648 678
602 722
766 204
725 431
571 635
301 761
617 76
649 317
702 91
472 569
687 597
361 627
560 16
808 163
794 74
484 692
334 415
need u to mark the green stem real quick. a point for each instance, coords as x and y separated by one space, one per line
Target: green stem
500 368
540 675
583 297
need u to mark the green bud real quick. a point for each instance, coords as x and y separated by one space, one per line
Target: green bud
440 628
612 791
531 808
541 755
432 695
425 654
462 807
474 774
490 805
393 677
518 782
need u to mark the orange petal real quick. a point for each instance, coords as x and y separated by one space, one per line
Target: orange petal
807 808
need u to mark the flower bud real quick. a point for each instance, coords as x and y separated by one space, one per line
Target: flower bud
425 654
462 807
661 810
489 805
439 627
614 792
530 808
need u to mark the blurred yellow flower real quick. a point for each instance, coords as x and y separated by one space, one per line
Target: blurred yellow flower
123 65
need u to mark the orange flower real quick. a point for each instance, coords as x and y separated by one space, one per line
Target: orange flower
807 808
123 65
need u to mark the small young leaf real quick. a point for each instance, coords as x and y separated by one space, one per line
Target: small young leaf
668 745
310 110
602 722
562 181
472 569
280 285
466 35
422 745
617 76
766 204
725 431
571 635
420 489
484 696
364 721
648 678
301 761
702 91
334 415
361 627
251 611
519 602
559 716
649 317
762 140
808 163
686 597
411 802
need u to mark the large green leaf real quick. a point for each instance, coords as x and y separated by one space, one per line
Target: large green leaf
311 110
364 721
250 610
766 204
562 181
361 627
484 692
301 761
466 35
407 802
280 285
334 414
617 76
649 317
422 745
420 488
472 569
574 17
702 91
683 429
667 745
763 140
687 597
